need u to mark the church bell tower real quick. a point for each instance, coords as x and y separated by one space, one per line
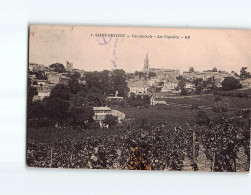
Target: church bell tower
146 63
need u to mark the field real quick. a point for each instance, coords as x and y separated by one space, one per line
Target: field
183 110
161 148
174 116
167 142
208 100
248 91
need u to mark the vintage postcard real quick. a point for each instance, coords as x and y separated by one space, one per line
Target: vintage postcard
139 98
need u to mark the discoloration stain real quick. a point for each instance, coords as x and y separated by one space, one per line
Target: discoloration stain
33 33
139 159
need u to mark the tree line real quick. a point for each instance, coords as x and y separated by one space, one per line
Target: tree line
72 104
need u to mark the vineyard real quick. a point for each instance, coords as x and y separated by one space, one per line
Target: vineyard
143 145
208 100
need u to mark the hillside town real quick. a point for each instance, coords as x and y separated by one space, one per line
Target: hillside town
119 114
158 83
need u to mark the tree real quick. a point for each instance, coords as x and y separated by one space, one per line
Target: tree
93 81
146 100
60 91
136 100
181 83
110 120
140 74
58 67
107 83
75 76
129 76
198 89
100 82
58 109
132 98
81 115
58 106
230 83
183 91
191 69
74 85
197 81
234 73
41 75
214 69
179 78
79 99
244 74
118 79
152 74
37 110
94 99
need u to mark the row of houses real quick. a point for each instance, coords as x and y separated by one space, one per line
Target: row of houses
36 67
206 75
41 67
168 83
49 80
44 86
165 85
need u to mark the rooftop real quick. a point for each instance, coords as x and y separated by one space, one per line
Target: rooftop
102 108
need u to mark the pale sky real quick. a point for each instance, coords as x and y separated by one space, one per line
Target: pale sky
225 49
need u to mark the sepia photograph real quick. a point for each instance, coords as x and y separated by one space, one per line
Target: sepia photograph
137 98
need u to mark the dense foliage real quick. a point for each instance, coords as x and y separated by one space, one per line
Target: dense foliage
141 144
230 83
244 74
58 67
72 104
110 120
107 82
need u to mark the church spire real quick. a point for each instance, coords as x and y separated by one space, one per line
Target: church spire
146 63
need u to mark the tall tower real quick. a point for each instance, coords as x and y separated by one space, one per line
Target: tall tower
146 63
69 66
